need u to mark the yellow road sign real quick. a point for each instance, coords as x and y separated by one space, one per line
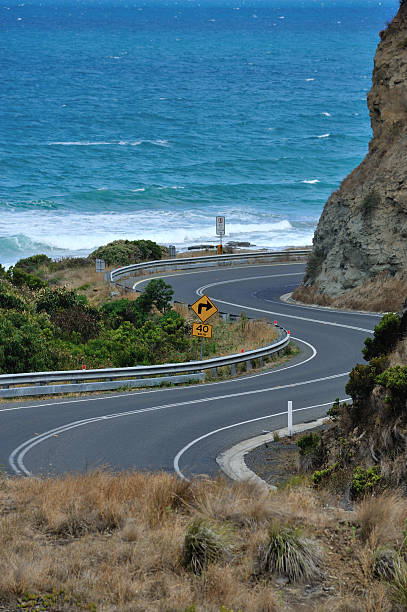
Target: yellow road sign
204 308
202 330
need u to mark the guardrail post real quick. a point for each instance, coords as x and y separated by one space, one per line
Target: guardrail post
248 365
290 418
261 362
233 369
214 372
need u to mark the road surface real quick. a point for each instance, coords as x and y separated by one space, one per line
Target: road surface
185 428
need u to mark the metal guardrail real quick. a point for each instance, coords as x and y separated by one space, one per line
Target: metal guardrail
14 385
18 385
206 261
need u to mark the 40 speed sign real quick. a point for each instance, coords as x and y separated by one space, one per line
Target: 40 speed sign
202 330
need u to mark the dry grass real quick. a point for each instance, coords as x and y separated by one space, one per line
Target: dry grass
231 337
381 518
382 294
83 279
110 542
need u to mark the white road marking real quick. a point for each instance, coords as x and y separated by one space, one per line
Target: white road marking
17 455
181 273
215 431
201 290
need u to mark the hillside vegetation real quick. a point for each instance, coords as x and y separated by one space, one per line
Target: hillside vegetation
46 325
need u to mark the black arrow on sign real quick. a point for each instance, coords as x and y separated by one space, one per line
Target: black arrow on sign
207 306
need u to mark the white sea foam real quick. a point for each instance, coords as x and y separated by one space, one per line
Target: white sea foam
77 234
310 182
309 80
324 136
91 143
140 189
327 114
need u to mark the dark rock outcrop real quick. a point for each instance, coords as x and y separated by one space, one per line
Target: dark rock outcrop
363 228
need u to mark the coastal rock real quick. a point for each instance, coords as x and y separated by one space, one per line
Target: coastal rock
362 232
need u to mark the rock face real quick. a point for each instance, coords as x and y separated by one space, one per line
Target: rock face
363 228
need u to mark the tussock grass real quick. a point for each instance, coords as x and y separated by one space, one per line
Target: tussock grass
203 544
287 553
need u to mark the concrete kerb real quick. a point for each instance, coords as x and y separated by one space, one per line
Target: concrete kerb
232 462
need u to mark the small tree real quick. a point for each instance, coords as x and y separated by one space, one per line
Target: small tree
158 294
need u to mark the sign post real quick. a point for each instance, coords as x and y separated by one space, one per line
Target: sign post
204 308
220 231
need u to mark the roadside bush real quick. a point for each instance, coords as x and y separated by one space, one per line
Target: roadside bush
361 382
320 476
125 252
117 312
334 412
386 335
311 452
70 313
19 278
395 380
9 301
287 553
51 300
25 343
362 378
308 443
31 264
363 481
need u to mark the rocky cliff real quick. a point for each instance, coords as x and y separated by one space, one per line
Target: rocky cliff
362 233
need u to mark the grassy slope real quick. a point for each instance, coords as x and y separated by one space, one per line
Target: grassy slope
116 542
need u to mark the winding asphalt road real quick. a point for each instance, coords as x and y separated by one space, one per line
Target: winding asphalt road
185 428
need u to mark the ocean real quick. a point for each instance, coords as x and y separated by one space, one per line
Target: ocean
134 119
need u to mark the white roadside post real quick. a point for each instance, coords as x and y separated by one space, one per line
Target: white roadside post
290 419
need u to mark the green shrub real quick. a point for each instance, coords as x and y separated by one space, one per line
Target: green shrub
70 313
386 335
31 264
362 379
19 278
9 301
319 476
25 343
363 481
289 554
125 252
117 312
308 443
204 544
361 382
334 411
395 380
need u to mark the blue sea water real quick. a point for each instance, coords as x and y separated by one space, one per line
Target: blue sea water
146 119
